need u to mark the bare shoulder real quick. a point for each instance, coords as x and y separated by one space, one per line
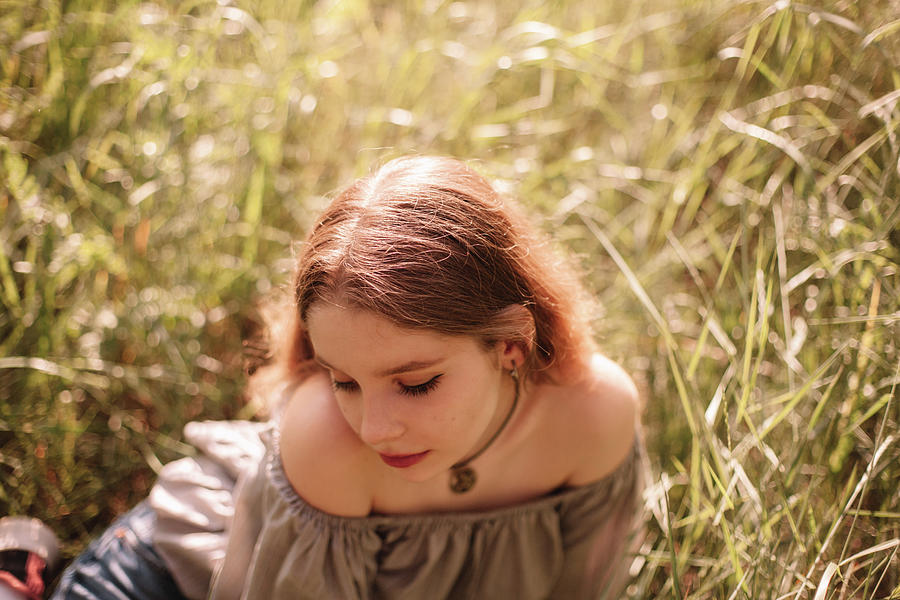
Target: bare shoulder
602 418
320 453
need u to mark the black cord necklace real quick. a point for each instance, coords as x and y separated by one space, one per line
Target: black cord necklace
462 476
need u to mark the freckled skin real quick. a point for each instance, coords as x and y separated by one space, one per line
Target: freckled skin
392 413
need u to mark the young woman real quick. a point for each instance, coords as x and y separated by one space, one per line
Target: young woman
443 425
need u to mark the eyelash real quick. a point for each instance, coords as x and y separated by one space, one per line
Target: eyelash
422 388
343 386
409 390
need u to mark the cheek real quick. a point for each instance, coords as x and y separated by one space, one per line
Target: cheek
461 408
351 412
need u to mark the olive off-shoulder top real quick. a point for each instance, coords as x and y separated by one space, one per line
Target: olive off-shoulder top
230 525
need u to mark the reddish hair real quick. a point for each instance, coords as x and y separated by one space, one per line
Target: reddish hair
429 244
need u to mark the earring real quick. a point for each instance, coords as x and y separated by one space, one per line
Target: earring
514 373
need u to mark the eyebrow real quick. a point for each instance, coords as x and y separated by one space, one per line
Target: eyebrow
413 365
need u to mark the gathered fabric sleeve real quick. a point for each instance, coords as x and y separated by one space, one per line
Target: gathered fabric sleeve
194 499
230 574
600 532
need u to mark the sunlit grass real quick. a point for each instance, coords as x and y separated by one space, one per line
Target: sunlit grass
727 174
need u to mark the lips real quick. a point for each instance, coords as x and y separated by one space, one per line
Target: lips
402 461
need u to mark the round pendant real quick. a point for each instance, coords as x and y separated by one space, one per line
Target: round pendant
462 479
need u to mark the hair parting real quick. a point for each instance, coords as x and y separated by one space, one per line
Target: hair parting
429 244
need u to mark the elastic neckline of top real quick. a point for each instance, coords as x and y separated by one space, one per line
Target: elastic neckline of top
275 470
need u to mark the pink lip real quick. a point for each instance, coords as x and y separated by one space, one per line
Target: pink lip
402 461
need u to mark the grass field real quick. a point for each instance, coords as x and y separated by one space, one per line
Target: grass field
726 172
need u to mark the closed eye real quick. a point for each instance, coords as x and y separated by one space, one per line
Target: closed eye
422 388
344 386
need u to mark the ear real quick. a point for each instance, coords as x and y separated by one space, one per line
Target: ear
512 354
516 342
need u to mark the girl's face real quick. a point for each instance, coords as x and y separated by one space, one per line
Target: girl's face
420 399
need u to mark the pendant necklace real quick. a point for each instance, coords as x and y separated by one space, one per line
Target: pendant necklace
462 476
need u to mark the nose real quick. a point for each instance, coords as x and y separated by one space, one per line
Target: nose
380 423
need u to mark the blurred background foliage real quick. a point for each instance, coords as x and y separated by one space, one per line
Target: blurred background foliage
726 172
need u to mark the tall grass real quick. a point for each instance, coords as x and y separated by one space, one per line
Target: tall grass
726 172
